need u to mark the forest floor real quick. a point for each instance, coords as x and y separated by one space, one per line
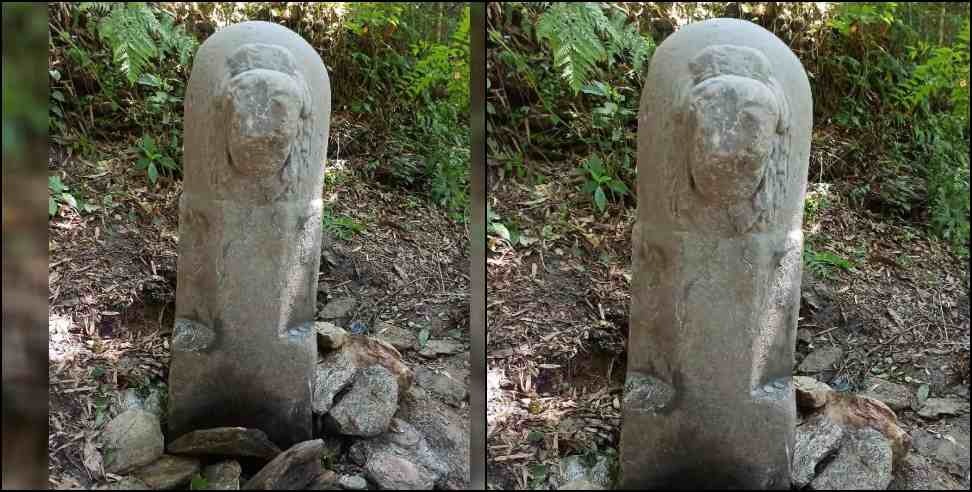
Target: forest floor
112 282
557 307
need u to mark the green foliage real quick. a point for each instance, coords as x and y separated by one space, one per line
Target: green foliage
153 159
58 195
599 180
581 36
198 482
342 227
823 263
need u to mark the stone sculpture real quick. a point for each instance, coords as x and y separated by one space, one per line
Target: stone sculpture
723 146
257 112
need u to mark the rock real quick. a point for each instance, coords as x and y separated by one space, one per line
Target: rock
820 360
810 393
367 408
450 389
397 337
332 374
815 439
292 469
329 336
353 482
863 463
227 441
805 335
580 484
436 348
896 396
224 475
577 467
126 483
168 472
945 450
337 309
367 351
398 458
327 480
445 431
937 407
130 399
915 473
858 412
131 440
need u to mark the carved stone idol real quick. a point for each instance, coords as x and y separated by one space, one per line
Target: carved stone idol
723 146
257 112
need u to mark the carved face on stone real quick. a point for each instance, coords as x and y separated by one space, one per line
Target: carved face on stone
265 101
734 116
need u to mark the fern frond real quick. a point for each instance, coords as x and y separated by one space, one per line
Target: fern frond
128 31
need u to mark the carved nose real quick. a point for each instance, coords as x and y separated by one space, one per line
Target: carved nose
264 113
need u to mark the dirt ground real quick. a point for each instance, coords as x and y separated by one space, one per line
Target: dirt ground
557 311
112 281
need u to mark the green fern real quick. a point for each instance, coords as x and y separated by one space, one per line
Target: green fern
576 33
137 37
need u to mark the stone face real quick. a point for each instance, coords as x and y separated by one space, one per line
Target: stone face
131 440
938 407
810 393
723 147
337 309
352 482
816 439
329 336
367 408
945 450
858 412
126 483
436 348
224 475
443 384
896 396
915 473
168 472
257 112
820 360
397 337
863 463
293 469
576 467
228 441
446 433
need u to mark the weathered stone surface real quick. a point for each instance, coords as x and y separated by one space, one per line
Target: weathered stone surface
443 384
858 412
353 482
816 439
820 360
863 463
938 407
445 431
329 335
896 396
228 441
367 351
945 450
168 472
131 399
399 458
367 408
723 146
577 467
437 348
334 373
126 483
224 475
292 469
580 484
915 473
131 440
327 480
397 337
337 309
810 393
257 112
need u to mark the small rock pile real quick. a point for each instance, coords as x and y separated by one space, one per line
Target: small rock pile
367 411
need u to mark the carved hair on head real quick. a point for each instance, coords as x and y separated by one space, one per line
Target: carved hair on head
741 61
259 56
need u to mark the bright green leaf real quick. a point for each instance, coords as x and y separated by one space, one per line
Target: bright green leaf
599 199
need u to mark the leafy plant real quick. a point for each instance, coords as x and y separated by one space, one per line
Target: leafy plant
198 482
599 180
153 160
58 195
823 263
342 227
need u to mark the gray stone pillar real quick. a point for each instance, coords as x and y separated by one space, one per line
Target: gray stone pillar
723 146
257 112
